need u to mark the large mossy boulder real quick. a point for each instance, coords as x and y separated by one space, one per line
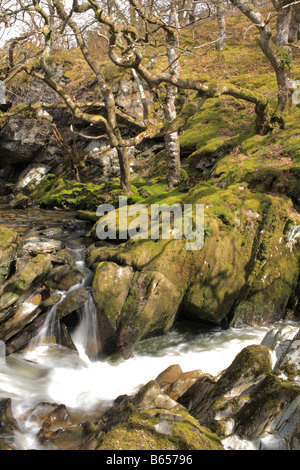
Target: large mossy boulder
132 305
245 273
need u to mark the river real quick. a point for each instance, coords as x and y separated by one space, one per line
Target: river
55 374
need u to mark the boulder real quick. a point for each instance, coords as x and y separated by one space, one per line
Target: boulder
132 305
22 139
62 278
73 301
25 140
38 245
31 177
149 420
245 273
174 382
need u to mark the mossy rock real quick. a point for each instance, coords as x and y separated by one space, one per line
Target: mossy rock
252 363
150 309
64 277
132 305
10 248
215 402
159 429
61 192
31 274
271 398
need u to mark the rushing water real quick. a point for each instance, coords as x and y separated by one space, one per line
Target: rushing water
54 374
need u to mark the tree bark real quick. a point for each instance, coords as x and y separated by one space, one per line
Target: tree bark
172 146
279 62
109 100
294 30
221 25
283 24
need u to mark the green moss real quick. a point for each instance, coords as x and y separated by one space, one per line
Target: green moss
56 191
267 400
160 430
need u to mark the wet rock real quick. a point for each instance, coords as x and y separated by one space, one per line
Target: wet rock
62 257
274 405
36 245
250 366
133 305
73 301
18 319
58 431
62 278
10 248
20 201
24 368
150 420
8 425
32 274
255 402
174 382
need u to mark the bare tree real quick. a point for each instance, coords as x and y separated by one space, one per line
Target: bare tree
128 47
280 60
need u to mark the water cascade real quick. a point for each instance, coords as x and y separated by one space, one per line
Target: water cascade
47 372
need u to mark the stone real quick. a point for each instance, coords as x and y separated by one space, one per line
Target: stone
175 383
73 301
10 248
62 278
30 178
36 245
8 425
31 274
132 305
22 139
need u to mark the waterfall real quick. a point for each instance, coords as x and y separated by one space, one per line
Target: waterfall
292 236
85 335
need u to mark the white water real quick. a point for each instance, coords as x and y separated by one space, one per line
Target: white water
61 376
53 374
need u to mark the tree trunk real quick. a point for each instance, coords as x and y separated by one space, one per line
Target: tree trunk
124 169
172 146
286 89
283 26
280 60
294 31
221 25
